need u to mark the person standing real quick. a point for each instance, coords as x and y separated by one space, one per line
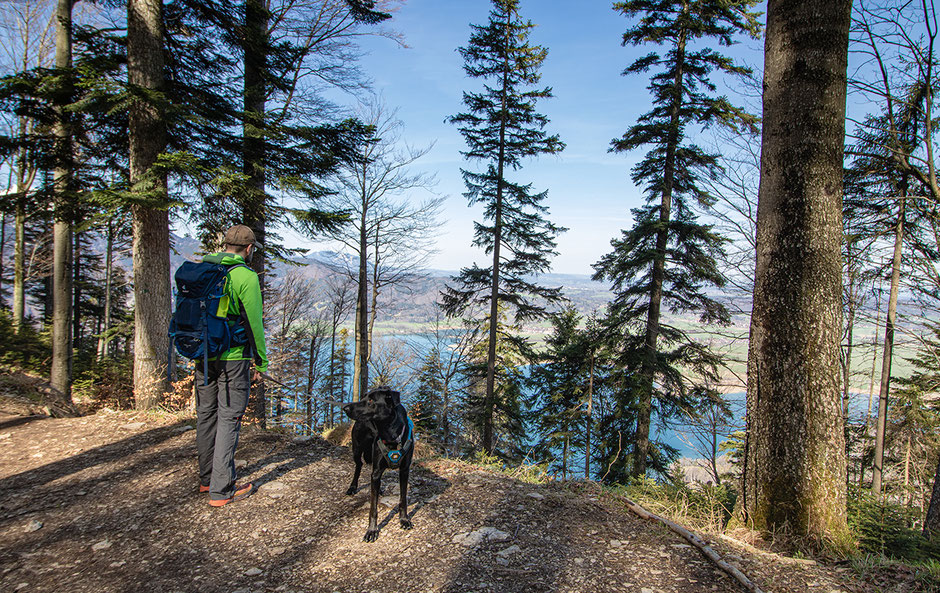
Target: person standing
222 395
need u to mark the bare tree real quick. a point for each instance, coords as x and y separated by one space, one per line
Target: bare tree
27 34
896 44
288 307
393 362
387 232
340 298
705 430
452 347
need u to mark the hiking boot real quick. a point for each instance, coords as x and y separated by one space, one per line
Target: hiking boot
203 489
241 492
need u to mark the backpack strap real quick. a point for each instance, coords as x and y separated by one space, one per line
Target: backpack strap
243 317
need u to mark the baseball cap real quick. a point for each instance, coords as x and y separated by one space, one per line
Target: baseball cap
239 235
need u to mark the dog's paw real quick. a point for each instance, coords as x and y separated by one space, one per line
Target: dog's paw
406 524
371 535
350 491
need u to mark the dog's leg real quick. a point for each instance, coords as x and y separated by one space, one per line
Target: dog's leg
372 533
357 457
403 500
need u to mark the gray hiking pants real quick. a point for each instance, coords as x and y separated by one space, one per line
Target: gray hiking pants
219 409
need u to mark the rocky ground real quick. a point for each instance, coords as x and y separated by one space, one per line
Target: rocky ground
109 503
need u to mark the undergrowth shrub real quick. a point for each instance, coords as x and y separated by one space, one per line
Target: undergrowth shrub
27 350
700 506
105 384
525 472
886 528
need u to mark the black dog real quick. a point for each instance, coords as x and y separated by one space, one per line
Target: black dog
384 435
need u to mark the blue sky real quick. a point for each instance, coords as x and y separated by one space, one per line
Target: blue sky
589 189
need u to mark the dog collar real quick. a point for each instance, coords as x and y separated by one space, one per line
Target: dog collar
394 456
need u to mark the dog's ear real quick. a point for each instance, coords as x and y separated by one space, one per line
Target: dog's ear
392 398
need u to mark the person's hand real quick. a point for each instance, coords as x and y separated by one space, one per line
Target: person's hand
256 376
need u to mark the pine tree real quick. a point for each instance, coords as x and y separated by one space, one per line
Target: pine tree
427 404
505 418
916 415
502 129
334 385
668 257
560 380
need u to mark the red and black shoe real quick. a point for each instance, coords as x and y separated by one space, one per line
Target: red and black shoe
243 491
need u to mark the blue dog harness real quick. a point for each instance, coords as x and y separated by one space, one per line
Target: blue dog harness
394 456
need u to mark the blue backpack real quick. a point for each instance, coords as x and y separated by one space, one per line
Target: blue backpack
200 327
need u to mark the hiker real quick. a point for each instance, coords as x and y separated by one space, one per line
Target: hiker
224 382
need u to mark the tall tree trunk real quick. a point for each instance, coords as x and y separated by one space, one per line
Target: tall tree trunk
253 150
357 342
907 470
874 357
932 520
151 228
374 308
589 422
850 334
103 340
19 240
361 377
489 398
794 476
76 291
564 462
877 477
314 354
61 378
648 370
3 243
445 416
329 407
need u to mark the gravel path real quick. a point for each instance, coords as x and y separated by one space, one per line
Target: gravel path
108 503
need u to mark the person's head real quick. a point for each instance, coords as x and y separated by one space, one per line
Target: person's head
240 240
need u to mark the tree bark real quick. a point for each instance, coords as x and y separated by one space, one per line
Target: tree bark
311 366
877 477
850 334
361 378
61 372
794 477
103 340
874 357
932 520
648 371
589 420
253 151
151 229
19 237
489 398
76 290
3 244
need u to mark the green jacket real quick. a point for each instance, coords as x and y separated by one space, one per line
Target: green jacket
243 290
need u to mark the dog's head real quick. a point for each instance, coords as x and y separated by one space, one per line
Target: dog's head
378 405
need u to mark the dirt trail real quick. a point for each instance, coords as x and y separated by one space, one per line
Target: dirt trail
108 503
